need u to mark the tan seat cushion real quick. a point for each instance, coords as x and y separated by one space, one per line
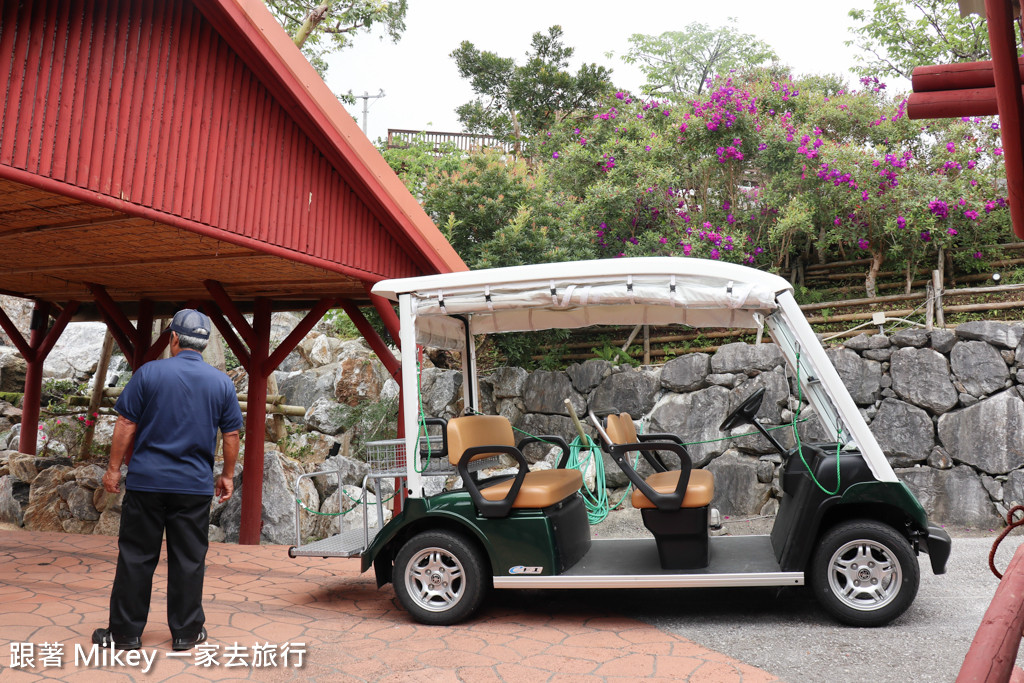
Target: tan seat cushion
540 489
477 430
621 429
699 490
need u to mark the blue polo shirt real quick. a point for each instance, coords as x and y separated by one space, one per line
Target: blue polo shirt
177 405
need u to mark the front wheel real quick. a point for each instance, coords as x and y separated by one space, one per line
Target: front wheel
439 577
864 573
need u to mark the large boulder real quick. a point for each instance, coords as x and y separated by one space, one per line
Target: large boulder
304 388
326 416
979 367
76 353
545 392
740 357
905 432
359 379
442 392
588 374
46 508
278 513
10 507
508 382
1003 335
12 370
775 400
862 377
921 377
694 417
625 392
686 373
737 488
986 435
954 497
347 471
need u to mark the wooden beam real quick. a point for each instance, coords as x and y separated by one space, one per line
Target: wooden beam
236 345
298 334
229 309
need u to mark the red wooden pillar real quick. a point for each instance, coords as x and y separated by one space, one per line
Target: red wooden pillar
251 345
255 426
35 351
1006 72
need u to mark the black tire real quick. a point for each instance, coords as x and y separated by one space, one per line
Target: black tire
440 577
864 573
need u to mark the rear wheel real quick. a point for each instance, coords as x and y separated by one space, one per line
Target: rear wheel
440 577
864 573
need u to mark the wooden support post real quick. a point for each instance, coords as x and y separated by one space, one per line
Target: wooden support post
40 343
647 344
929 307
940 316
255 421
99 380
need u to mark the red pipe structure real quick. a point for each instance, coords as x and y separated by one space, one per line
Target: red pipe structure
993 651
983 89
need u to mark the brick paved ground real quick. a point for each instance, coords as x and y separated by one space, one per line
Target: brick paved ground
54 589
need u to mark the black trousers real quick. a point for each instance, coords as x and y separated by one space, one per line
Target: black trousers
145 516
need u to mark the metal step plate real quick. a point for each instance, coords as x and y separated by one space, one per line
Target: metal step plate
349 543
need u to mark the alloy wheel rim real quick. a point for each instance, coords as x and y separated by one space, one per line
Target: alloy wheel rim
864 575
435 579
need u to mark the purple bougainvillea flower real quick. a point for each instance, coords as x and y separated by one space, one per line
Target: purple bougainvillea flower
863 243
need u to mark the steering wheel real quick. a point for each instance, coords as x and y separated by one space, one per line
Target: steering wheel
745 411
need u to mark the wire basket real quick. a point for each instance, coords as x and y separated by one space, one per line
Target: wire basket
388 456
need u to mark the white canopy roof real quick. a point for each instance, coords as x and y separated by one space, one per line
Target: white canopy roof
653 291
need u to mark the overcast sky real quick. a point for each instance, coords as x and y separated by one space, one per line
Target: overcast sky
422 86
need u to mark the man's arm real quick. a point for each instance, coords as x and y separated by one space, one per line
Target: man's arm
121 444
225 484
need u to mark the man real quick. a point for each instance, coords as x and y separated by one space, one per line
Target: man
170 412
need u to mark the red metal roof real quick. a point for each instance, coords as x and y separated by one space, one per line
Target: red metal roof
146 146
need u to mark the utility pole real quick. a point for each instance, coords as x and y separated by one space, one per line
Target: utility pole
366 97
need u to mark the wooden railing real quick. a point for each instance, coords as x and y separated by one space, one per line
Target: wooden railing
466 142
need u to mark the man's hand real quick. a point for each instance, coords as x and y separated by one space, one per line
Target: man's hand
223 487
112 481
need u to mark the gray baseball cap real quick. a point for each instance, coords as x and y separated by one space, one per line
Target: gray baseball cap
191 323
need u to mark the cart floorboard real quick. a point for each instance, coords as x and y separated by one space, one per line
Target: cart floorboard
633 563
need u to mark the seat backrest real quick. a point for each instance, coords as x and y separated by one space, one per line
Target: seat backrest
477 430
621 429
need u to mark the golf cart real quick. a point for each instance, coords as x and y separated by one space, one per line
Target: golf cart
846 525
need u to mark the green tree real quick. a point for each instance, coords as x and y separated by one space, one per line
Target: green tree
319 27
517 101
682 62
898 35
